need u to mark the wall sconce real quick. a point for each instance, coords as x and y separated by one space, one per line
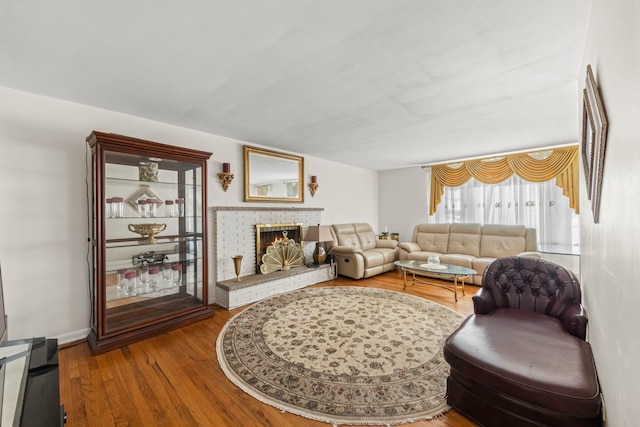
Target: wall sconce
225 176
313 185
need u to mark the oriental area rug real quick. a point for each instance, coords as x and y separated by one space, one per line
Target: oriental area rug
342 355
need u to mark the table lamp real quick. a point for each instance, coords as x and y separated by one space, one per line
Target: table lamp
318 233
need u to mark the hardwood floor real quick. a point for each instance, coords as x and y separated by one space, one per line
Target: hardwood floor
174 379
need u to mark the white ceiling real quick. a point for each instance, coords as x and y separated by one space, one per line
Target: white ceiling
380 84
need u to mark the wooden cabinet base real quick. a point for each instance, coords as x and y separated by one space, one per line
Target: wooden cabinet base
115 341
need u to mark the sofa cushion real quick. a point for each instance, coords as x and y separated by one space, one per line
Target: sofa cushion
388 254
480 265
372 258
502 240
366 236
458 259
346 235
464 239
422 255
432 237
528 356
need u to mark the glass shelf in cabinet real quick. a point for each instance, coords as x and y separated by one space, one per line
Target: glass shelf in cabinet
127 264
115 294
152 219
159 240
124 182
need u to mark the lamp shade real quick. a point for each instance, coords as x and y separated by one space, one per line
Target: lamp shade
318 233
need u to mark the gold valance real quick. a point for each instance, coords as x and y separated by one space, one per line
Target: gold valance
561 164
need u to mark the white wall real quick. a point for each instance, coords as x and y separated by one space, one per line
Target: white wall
611 249
403 200
44 213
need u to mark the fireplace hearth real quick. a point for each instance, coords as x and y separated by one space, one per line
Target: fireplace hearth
234 233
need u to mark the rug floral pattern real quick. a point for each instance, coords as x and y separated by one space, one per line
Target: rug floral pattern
342 354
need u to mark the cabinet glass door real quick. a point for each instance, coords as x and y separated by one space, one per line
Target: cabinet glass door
153 239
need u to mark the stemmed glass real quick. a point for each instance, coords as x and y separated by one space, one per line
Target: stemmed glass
167 273
154 278
176 274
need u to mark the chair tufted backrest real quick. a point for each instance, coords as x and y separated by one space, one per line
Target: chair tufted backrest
531 284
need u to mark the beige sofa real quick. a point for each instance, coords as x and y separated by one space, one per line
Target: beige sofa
469 245
359 253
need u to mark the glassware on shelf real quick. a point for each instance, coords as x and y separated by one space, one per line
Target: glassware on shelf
154 278
108 206
120 279
179 207
117 207
167 275
176 274
142 208
131 283
169 209
152 207
144 276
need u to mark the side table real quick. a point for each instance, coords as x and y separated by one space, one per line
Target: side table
389 236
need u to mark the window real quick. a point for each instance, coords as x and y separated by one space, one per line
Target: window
539 205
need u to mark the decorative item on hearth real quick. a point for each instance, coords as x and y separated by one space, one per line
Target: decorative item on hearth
319 234
148 171
237 263
313 185
283 255
225 176
147 230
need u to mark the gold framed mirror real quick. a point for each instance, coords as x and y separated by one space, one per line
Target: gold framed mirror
270 176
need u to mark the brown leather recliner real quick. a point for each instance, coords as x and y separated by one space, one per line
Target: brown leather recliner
522 358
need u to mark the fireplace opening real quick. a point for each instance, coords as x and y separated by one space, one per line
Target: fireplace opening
268 234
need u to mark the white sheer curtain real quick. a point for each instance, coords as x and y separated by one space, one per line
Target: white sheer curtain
540 205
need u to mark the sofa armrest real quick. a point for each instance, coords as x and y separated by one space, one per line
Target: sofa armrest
575 320
390 244
483 301
344 250
531 254
410 246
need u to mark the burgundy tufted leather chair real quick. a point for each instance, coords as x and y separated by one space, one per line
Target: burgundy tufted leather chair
522 358
533 285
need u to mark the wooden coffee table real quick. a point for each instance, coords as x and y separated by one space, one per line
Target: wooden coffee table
458 274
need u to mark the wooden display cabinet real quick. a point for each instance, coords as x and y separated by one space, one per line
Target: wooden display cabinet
136 170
